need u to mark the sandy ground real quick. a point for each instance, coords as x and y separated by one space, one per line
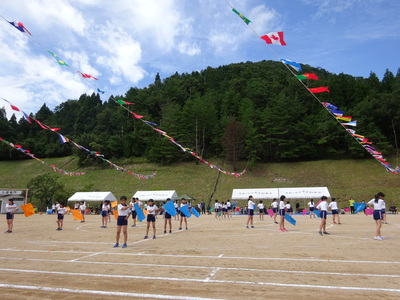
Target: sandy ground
214 259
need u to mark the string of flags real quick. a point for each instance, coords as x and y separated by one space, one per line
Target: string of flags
19 26
277 38
64 139
28 153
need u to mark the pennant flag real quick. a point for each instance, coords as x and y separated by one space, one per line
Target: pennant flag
122 102
139 212
247 21
369 211
136 116
195 212
27 118
114 204
351 131
319 90
352 123
63 139
305 211
293 64
86 75
170 208
337 113
115 213
359 207
317 212
347 119
185 211
76 214
150 123
20 27
275 38
60 62
100 91
40 124
270 212
307 76
290 219
28 209
328 105
14 107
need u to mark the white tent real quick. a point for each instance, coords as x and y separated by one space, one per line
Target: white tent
156 195
290 193
92 196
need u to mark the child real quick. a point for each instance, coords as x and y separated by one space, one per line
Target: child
282 211
288 207
122 221
217 208
384 212
224 209
105 208
323 207
311 206
167 219
82 208
61 211
229 206
335 210
183 217
152 211
377 204
250 212
177 210
133 210
274 206
261 210
11 208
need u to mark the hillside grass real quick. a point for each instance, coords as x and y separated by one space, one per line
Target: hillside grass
359 179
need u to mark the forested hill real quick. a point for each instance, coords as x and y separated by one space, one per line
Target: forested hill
246 111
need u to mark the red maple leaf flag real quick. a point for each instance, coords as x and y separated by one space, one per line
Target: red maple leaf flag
275 38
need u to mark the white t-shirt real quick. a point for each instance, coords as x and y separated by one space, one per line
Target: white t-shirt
282 205
123 212
288 206
333 205
378 205
217 205
274 204
311 204
228 204
260 206
250 204
323 206
61 210
151 210
224 206
11 207
105 207
82 207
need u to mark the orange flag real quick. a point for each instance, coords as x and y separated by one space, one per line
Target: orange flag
28 209
68 208
76 214
114 204
115 213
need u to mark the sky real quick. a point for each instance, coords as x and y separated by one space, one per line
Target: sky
126 43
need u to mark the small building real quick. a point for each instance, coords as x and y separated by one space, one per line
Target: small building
19 196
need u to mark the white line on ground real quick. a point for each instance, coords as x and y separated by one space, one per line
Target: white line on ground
323 287
103 293
213 272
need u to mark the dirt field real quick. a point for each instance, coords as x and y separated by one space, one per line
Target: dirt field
212 260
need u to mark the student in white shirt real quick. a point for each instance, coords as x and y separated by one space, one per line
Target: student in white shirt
152 211
229 206
61 211
217 209
250 212
261 210
311 206
377 203
122 221
11 208
183 217
282 211
274 206
323 207
335 210
82 208
105 208
288 207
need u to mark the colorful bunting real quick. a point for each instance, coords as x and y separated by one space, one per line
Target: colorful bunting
20 27
86 75
275 38
346 119
307 76
293 64
247 21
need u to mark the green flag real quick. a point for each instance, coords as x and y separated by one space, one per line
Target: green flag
247 21
122 102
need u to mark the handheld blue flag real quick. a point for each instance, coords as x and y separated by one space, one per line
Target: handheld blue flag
185 211
290 219
139 212
359 207
195 212
170 208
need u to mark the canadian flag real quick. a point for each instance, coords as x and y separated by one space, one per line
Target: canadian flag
274 38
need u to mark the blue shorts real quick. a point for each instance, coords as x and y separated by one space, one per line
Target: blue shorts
251 212
275 210
335 211
167 216
182 214
10 216
312 208
151 218
104 213
323 214
281 212
378 215
60 217
261 211
122 221
383 211
134 214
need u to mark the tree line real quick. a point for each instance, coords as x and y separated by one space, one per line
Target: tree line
254 112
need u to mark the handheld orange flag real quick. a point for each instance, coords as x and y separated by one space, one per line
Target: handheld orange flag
114 204
76 214
28 209
115 214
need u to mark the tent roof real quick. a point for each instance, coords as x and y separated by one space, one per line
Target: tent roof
156 195
92 196
187 197
290 193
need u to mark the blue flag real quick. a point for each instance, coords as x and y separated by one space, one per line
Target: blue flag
290 219
139 212
185 211
293 64
359 207
170 208
195 212
317 212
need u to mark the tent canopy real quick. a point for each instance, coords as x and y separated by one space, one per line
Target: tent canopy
92 196
290 193
156 195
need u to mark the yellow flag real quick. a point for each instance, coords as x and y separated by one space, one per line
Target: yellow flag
114 204
76 214
28 209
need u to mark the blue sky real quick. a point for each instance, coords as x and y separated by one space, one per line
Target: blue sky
125 43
